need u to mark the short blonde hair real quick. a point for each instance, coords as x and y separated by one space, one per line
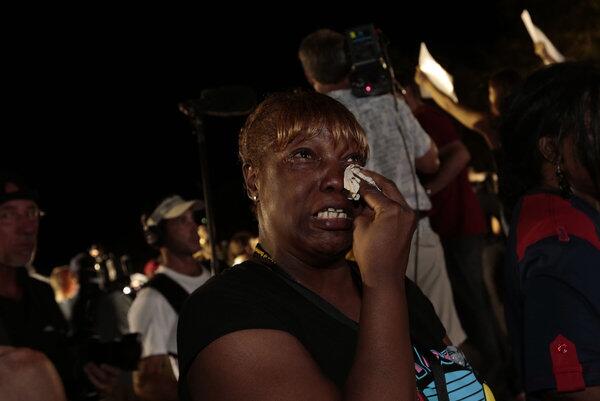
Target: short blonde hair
282 117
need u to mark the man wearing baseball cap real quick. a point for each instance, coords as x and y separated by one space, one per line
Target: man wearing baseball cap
31 323
172 230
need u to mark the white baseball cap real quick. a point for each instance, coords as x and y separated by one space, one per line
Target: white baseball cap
171 207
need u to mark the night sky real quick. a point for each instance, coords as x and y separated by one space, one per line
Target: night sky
90 98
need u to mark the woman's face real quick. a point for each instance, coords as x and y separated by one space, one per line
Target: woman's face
303 208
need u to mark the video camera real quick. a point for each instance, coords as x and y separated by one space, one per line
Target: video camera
101 304
370 72
123 353
102 270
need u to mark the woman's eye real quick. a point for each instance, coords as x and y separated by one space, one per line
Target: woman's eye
356 158
302 154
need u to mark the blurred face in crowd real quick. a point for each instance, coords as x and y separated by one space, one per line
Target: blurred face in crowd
181 234
19 222
204 239
64 282
493 99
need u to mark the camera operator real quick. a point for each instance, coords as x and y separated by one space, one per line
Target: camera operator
101 306
171 229
100 327
399 149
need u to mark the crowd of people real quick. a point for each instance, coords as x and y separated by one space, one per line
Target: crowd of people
384 297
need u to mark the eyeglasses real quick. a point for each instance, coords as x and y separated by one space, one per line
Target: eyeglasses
10 217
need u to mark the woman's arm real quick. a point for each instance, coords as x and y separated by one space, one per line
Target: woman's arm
454 158
472 119
383 368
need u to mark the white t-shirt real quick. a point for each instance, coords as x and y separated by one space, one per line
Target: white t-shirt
154 318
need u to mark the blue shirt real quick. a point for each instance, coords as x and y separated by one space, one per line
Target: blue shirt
553 299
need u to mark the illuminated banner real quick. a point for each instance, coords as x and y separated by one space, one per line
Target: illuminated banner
436 74
537 36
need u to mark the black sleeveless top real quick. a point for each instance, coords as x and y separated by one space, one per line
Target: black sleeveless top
255 295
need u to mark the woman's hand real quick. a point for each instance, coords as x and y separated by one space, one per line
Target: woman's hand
382 232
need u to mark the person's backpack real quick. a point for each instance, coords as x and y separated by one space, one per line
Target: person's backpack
447 376
174 293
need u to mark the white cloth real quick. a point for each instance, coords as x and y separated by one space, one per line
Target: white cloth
380 120
537 35
153 317
352 177
436 74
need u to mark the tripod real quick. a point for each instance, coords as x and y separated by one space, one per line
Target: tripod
228 101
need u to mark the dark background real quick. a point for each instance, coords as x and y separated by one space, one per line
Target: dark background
90 94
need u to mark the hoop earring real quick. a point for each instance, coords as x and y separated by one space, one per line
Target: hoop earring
563 184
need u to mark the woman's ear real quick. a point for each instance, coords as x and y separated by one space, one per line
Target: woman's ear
251 180
549 149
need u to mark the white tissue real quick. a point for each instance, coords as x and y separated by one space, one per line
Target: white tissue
352 177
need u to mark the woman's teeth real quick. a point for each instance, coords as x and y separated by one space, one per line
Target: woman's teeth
332 213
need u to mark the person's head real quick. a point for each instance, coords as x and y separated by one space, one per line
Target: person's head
553 123
294 148
500 86
205 252
64 282
172 226
324 58
240 247
19 221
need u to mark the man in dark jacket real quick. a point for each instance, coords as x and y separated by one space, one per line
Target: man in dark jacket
29 315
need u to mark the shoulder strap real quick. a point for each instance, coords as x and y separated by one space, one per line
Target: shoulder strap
170 289
262 258
439 378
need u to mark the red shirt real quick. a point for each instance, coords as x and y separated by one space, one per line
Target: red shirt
455 209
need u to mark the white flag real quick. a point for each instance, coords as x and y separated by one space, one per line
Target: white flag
436 74
538 36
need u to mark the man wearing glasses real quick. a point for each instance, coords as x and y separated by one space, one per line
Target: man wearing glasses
29 316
